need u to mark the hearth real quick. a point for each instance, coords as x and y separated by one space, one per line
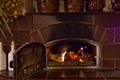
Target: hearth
71 45
58 54
72 53
66 45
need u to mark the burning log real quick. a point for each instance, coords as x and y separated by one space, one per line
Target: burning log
73 56
53 57
62 57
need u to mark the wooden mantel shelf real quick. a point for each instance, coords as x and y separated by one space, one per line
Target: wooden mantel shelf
75 13
69 74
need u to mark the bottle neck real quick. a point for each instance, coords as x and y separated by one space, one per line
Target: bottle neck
1 46
12 46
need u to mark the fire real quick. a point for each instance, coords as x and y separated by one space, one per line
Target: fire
81 60
63 56
66 55
73 56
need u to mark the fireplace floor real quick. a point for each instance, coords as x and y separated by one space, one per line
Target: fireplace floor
70 74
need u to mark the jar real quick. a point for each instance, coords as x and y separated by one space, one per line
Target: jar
115 5
74 5
48 6
95 5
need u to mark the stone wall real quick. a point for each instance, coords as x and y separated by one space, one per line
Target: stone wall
36 28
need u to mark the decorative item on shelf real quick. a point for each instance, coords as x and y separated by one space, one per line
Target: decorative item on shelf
108 6
74 5
9 11
115 5
10 56
29 6
95 5
48 6
61 6
2 58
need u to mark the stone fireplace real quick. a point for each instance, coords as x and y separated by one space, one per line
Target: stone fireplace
72 45
100 30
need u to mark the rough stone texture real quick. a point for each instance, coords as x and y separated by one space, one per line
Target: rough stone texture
38 28
102 20
35 36
111 51
114 20
99 34
118 63
117 35
109 36
44 20
108 64
24 22
22 36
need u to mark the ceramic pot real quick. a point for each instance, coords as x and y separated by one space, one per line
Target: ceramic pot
74 5
48 6
95 5
115 5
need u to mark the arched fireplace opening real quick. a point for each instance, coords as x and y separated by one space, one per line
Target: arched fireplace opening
72 53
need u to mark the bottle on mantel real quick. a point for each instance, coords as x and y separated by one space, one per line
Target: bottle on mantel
2 58
10 56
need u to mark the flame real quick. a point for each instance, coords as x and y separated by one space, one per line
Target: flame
63 56
81 60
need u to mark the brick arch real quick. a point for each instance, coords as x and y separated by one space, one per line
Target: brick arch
61 30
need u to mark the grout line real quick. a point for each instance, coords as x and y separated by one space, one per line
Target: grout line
115 65
114 39
114 43
93 19
42 38
103 35
103 75
95 31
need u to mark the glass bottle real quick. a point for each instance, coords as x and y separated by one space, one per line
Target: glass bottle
10 56
2 58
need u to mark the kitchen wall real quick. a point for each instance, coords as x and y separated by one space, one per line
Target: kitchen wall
33 27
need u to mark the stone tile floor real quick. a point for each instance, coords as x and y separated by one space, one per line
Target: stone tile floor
76 74
70 74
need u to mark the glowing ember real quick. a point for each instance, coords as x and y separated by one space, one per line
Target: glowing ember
70 55
81 60
73 56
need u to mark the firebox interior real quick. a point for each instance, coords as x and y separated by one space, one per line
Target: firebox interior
71 53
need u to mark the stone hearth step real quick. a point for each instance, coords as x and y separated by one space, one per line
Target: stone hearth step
69 74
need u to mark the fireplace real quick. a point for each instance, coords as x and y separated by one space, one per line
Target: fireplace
101 28
72 53
71 45
68 45
91 29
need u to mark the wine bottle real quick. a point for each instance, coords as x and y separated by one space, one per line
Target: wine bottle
2 58
10 56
